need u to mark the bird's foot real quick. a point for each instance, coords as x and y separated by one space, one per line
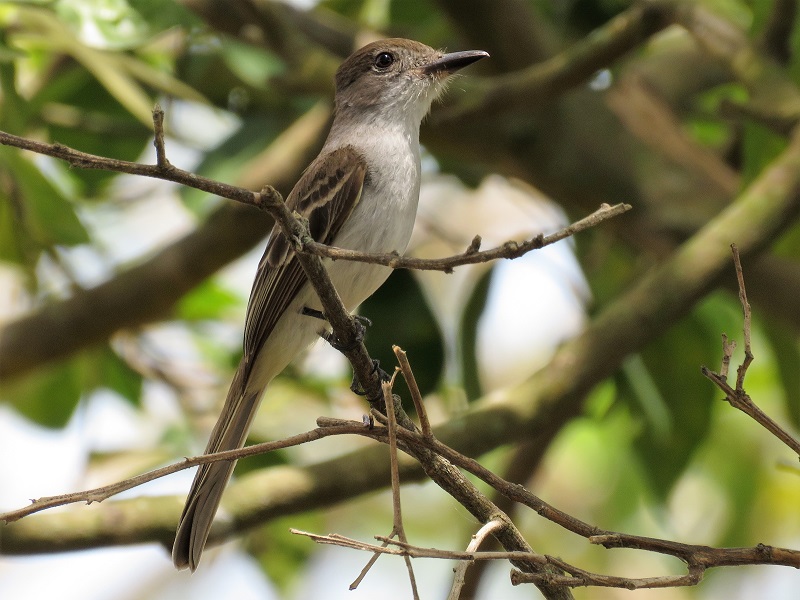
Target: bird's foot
361 323
355 386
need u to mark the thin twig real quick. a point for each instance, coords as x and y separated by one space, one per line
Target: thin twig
271 201
397 522
166 172
397 525
509 250
742 401
737 397
397 513
416 396
357 581
102 493
748 354
699 561
397 548
474 544
689 553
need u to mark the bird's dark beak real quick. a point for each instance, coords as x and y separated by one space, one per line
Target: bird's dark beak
450 63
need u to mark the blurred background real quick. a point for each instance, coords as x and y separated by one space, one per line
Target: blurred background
122 299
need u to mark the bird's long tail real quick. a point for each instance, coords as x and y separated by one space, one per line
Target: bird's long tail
206 492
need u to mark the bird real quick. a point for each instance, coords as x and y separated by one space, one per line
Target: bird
361 193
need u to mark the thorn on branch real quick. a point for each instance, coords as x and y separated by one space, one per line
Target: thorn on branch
268 198
474 246
158 141
727 352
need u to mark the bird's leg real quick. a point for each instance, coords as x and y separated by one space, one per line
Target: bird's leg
361 328
362 323
307 311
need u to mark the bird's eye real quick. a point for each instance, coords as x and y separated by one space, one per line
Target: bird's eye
384 60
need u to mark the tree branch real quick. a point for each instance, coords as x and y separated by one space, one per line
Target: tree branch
534 410
146 292
472 255
737 397
544 81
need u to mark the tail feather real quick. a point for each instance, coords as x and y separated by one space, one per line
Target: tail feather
210 480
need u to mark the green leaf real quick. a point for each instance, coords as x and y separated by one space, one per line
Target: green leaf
51 34
788 244
375 14
760 146
15 110
704 123
610 267
282 554
161 15
11 242
122 24
672 400
252 65
469 335
82 114
112 23
48 396
116 375
400 315
209 300
49 217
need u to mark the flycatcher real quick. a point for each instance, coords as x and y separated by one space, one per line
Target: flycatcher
360 193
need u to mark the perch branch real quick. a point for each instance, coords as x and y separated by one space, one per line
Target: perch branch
102 493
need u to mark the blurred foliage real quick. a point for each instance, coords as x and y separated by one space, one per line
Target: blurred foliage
469 336
399 303
50 395
282 554
87 74
661 387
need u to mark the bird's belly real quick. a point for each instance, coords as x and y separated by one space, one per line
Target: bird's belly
381 222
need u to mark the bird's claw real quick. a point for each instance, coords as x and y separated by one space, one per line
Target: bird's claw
355 386
361 323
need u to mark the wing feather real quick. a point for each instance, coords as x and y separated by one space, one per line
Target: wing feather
326 195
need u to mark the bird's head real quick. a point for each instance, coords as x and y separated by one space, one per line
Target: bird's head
397 75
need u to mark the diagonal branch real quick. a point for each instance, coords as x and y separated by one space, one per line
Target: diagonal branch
146 292
545 81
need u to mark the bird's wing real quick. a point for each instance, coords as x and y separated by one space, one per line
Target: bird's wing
326 195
